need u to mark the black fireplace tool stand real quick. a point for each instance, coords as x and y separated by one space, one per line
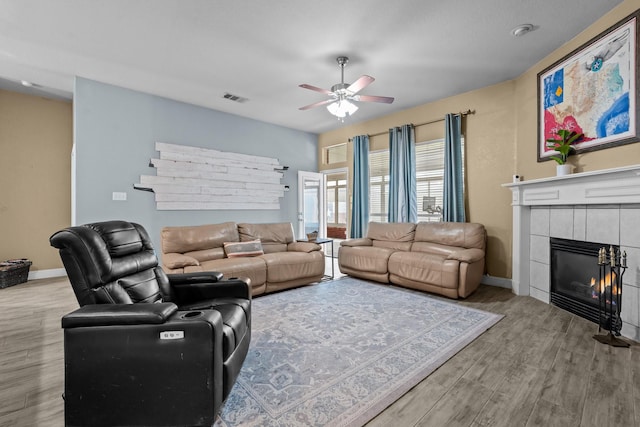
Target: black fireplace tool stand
611 268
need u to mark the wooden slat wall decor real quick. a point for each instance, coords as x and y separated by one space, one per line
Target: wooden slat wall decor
193 178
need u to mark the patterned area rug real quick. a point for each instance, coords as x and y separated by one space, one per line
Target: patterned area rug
338 353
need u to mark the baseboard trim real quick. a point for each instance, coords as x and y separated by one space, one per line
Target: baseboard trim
500 282
46 274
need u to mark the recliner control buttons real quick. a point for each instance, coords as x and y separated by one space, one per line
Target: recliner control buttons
171 335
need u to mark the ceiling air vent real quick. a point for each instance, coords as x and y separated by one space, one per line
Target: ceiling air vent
232 97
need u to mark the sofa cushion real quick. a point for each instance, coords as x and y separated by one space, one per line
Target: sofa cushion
207 254
243 249
362 241
465 235
253 268
425 268
274 237
392 231
365 258
392 235
199 237
435 248
303 247
286 266
399 246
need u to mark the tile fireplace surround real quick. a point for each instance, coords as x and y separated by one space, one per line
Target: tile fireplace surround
601 206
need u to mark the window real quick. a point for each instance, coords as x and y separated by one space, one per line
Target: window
335 154
429 181
337 200
378 185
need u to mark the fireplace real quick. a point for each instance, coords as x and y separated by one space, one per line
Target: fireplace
596 206
576 284
574 272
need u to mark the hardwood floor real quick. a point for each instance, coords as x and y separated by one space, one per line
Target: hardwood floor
539 366
31 352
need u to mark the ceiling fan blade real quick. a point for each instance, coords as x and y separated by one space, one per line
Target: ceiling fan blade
360 84
317 104
372 98
317 89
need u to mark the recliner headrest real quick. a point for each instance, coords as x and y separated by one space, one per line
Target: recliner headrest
110 262
121 237
108 250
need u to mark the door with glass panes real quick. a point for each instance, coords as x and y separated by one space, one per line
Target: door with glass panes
311 204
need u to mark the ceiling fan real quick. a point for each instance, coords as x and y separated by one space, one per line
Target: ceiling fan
339 104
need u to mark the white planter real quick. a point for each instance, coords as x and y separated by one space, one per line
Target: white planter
562 170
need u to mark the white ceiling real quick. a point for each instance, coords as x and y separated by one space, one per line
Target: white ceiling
197 50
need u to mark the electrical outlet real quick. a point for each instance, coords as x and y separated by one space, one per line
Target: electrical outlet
119 195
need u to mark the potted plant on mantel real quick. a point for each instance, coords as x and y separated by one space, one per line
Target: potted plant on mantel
564 147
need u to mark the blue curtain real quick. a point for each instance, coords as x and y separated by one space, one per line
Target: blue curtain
360 207
453 206
403 205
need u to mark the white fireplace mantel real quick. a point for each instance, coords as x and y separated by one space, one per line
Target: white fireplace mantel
609 186
619 185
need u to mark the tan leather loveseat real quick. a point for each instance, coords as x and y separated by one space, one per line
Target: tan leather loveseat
284 264
444 257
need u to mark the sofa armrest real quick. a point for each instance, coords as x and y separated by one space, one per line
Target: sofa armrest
363 241
187 293
199 277
175 260
119 314
468 255
303 247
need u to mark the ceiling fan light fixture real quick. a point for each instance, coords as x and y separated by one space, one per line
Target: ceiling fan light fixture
342 108
339 104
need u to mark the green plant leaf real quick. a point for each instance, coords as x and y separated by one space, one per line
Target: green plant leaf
563 146
558 160
574 137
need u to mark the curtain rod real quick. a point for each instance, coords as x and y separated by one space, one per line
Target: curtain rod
461 113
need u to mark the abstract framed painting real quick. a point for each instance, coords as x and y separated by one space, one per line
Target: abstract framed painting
593 90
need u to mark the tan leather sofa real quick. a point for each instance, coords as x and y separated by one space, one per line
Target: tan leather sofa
445 258
284 264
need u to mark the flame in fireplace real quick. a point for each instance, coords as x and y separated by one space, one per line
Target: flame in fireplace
608 281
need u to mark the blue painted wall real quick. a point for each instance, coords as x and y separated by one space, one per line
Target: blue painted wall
115 134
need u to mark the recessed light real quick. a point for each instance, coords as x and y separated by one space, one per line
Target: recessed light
521 30
26 83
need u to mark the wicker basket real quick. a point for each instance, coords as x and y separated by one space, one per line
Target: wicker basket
13 272
312 236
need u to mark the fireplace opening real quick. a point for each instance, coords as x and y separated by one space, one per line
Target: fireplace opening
575 282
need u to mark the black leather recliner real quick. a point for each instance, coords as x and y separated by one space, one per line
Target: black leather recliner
146 348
